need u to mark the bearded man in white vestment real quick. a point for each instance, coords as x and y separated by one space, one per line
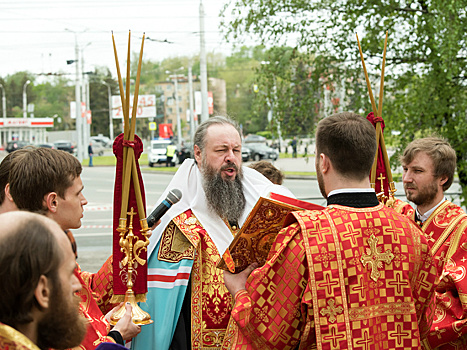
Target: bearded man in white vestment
187 298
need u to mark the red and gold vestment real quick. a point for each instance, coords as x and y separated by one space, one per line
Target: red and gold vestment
211 303
404 208
95 294
446 232
11 339
340 278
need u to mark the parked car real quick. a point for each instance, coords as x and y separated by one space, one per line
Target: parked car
246 154
15 145
104 141
254 138
45 145
157 152
262 151
98 149
65 145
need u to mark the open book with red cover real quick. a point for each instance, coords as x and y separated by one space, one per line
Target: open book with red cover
255 238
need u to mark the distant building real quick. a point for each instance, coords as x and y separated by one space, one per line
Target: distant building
167 111
32 130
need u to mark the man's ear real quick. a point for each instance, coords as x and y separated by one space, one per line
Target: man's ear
442 180
324 163
7 193
50 200
197 151
42 292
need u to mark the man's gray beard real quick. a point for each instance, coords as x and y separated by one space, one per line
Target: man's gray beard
224 197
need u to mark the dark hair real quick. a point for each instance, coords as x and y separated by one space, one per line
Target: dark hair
269 171
441 153
39 172
349 140
5 167
27 251
200 134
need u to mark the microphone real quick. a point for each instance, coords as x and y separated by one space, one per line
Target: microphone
172 197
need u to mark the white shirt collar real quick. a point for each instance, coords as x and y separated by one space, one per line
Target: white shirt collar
425 216
350 190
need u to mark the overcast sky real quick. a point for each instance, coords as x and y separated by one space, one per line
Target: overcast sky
35 34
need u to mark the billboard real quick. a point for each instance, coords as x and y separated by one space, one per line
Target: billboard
146 106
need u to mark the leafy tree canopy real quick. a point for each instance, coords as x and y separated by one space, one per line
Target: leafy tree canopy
425 90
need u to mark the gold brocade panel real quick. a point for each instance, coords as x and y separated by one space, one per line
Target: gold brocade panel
185 238
366 269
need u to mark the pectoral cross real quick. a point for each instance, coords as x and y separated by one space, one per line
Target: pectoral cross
375 257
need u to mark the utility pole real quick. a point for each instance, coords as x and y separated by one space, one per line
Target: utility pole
203 66
86 100
25 99
4 133
3 101
179 127
80 123
190 91
79 119
111 124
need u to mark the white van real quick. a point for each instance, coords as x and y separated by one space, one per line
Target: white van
157 152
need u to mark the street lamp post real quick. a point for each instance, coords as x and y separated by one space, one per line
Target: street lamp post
85 97
174 77
3 101
25 99
203 66
111 125
4 133
80 123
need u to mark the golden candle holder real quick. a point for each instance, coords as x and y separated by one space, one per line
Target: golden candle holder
132 246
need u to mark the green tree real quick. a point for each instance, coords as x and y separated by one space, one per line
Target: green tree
52 99
99 100
13 85
426 60
239 73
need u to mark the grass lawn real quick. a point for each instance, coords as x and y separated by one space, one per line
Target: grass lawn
112 161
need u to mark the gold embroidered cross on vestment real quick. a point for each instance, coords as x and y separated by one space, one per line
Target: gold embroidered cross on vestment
375 258
331 310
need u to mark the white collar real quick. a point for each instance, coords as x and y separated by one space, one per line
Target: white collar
350 190
188 179
425 216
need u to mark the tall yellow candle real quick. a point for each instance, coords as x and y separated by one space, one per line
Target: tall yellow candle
135 98
381 86
120 82
373 104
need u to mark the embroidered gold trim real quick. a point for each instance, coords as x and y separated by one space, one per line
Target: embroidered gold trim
367 312
441 207
174 245
12 334
447 231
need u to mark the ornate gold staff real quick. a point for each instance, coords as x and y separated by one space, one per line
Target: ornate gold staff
130 244
389 201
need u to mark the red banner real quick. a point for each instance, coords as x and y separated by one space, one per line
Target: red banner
120 273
